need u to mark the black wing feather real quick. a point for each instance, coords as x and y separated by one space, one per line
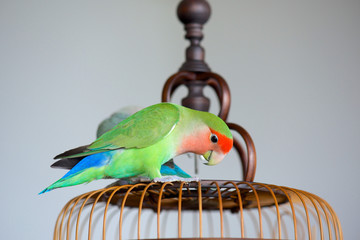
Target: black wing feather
73 151
67 163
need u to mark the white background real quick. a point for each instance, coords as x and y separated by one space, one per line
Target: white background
293 68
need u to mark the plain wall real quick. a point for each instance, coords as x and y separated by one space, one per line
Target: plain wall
293 68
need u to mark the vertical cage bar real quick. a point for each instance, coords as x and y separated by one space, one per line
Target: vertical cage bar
107 206
140 206
240 207
63 218
71 212
317 212
123 205
179 209
220 209
291 206
159 207
305 208
200 208
276 205
80 211
58 229
258 206
325 212
93 207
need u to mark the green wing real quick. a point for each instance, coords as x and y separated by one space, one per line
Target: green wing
140 130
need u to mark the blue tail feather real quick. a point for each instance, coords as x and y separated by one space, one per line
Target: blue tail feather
92 161
95 160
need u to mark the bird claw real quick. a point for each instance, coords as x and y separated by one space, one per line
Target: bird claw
131 180
175 179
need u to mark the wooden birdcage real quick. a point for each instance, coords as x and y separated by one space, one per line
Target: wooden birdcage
209 209
222 209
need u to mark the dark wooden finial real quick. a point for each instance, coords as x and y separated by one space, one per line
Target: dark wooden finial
195 75
196 99
194 14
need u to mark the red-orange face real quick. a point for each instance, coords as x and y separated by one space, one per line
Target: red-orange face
212 145
223 142
219 146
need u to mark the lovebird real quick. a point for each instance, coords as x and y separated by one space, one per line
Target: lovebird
141 143
169 168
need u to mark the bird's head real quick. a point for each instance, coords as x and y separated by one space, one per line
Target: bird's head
216 139
219 144
209 137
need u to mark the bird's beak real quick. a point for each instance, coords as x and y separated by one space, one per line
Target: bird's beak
212 157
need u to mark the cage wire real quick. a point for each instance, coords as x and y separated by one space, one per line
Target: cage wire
204 209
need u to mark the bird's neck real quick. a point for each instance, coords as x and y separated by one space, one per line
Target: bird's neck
195 141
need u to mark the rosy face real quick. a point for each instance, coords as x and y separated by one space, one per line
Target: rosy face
212 145
219 146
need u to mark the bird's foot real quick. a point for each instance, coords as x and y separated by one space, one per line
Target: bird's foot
126 181
175 179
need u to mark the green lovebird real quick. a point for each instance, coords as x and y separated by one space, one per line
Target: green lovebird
140 144
167 169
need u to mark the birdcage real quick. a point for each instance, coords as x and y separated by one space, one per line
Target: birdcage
209 209
203 209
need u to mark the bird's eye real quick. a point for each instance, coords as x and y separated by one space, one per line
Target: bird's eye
214 138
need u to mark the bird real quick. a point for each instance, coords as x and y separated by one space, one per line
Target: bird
143 142
167 169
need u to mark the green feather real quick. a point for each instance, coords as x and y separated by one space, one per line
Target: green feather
142 129
134 132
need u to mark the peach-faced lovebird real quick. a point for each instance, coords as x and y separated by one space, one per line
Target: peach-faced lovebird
140 144
169 168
